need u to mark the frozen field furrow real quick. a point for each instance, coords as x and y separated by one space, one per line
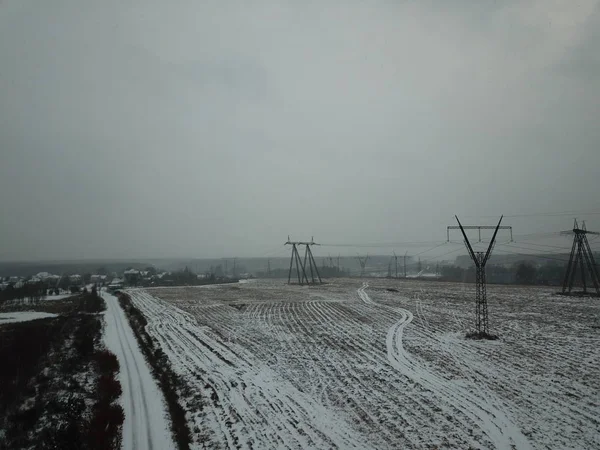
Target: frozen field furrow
382 364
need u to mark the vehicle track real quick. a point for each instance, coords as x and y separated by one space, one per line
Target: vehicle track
496 425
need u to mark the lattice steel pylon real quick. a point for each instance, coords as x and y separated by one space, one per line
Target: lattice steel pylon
301 265
363 263
582 256
480 259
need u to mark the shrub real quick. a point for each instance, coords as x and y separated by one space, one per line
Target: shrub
109 388
107 362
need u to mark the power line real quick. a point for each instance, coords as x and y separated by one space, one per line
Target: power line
543 214
429 249
444 254
382 244
536 256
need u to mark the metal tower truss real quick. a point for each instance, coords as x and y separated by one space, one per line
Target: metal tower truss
301 267
363 263
480 259
582 259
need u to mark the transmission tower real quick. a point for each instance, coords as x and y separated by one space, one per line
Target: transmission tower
363 263
480 259
301 265
582 256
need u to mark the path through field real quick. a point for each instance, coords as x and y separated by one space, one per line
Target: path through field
146 426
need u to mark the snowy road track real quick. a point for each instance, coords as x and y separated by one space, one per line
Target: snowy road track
146 425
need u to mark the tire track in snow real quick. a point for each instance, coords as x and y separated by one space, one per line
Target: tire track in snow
495 424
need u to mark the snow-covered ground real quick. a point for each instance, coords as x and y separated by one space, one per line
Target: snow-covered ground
57 297
350 364
146 424
23 316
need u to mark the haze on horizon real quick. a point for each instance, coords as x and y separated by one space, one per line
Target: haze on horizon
149 129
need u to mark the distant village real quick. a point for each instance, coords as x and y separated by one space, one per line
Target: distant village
47 284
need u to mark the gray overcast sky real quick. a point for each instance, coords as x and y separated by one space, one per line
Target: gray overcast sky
209 128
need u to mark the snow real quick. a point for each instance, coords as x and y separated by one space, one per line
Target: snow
23 316
249 404
350 364
146 424
56 297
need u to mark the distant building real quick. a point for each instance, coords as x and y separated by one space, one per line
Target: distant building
132 276
98 279
115 285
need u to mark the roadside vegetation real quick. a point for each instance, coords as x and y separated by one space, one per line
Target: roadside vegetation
59 384
169 382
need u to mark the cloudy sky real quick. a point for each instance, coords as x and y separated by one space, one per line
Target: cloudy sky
145 128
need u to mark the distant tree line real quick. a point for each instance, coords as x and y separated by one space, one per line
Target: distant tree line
324 271
186 277
550 274
33 292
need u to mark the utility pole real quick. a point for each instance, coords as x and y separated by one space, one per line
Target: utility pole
269 267
301 265
338 261
363 263
480 259
396 258
405 253
389 274
582 255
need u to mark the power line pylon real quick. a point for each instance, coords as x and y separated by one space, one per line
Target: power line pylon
582 255
301 265
480 259
363 263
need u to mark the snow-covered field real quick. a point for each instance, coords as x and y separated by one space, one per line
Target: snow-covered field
23 316
351 364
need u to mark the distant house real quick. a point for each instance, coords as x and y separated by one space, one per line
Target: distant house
132 276
115 285
98 279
